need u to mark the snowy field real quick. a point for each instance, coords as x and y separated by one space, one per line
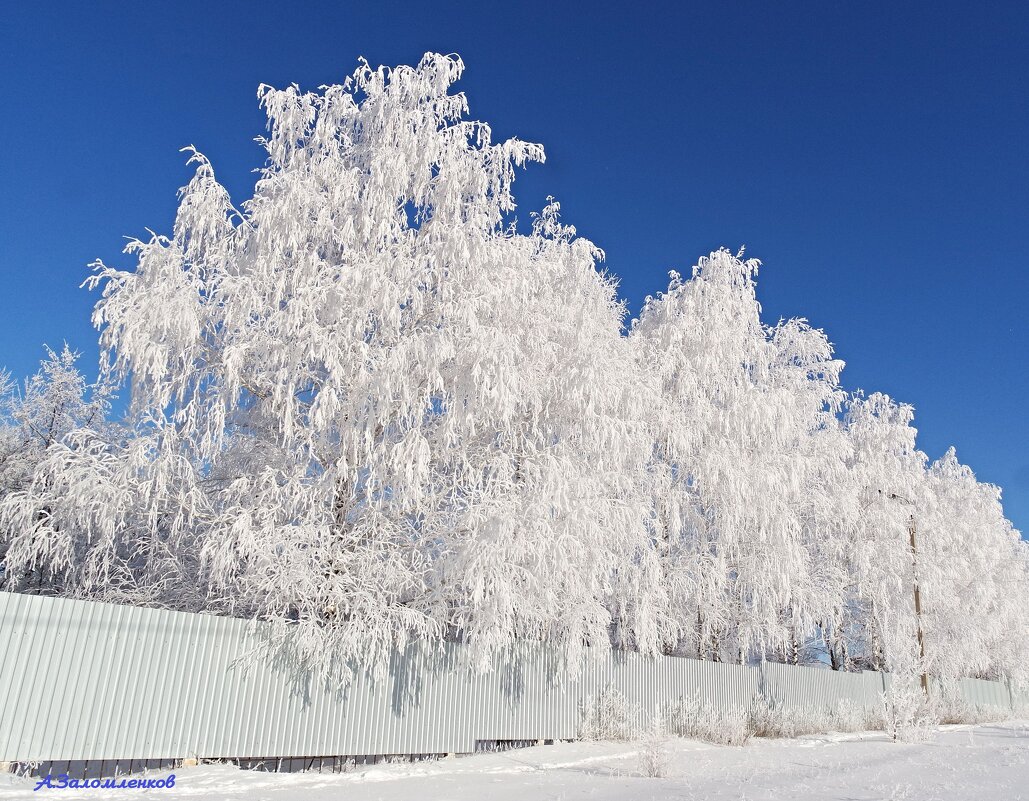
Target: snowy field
960 762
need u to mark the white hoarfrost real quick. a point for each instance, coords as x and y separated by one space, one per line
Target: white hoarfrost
367 405
371 407
748 457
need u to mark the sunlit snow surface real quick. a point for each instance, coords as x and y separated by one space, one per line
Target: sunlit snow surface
961 762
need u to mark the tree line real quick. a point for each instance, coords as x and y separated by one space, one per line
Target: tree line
367 406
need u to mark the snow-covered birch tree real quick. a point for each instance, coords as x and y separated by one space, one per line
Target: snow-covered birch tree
53 406
370 406
971 577
745 457
50 405
890 484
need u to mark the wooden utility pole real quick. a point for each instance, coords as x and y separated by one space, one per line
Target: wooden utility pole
918 596
918 603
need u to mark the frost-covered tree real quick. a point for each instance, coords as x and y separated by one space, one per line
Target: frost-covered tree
54 404
746 450
888 482
51 404
931 527
972 579
365 402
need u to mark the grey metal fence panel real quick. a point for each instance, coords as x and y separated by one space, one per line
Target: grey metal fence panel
815 689
985 693
81 680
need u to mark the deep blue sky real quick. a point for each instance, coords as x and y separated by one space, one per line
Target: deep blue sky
872 155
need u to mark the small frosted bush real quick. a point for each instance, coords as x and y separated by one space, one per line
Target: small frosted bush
768 719
610 716
907 714
700 720
954 709
653 754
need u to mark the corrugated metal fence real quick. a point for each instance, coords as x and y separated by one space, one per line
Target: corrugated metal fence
81 680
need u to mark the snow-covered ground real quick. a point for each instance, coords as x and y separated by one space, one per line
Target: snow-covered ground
961 762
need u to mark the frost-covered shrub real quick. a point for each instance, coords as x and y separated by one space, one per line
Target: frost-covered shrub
846 716
768 719
609 716
694 718
952 709
653 754
907 714
1021 703
700 720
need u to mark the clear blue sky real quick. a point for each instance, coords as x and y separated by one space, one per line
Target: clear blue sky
872 155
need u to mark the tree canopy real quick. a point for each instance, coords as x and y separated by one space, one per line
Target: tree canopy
366 404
